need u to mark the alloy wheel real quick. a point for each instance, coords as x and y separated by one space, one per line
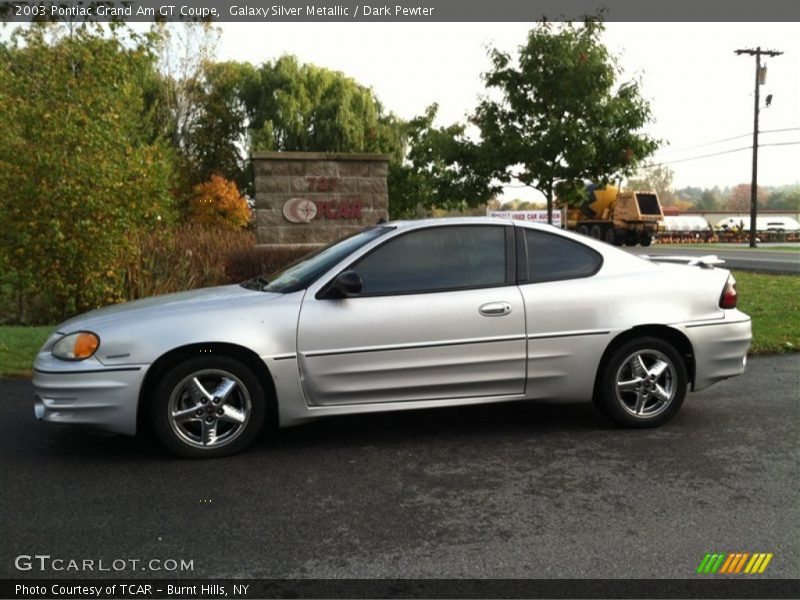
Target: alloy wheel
209 408
646 384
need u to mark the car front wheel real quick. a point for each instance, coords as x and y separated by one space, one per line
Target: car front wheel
643 383
208 407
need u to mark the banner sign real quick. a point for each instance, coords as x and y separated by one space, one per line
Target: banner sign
531 216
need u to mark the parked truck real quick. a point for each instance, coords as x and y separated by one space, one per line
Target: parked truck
616 217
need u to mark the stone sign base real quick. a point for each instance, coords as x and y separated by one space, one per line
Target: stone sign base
313 198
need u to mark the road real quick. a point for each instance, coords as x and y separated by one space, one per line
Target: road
516 490
768 261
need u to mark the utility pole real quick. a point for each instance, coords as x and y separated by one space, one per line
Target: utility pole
760 77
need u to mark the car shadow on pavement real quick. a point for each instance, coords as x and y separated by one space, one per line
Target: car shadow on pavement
451 423
393 428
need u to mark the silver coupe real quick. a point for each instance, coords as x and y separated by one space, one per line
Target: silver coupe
402 315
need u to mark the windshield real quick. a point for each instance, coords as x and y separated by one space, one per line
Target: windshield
304 272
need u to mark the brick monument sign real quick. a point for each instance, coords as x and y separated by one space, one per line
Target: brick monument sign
313 198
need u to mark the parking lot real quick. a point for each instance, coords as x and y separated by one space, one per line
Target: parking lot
517 490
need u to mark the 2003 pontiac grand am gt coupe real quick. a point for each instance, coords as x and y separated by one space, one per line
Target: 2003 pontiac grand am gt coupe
401 315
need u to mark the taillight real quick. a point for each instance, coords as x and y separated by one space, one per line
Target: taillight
728 298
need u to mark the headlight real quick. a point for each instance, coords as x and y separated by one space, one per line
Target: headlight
76 346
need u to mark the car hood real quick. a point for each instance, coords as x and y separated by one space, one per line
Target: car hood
163 306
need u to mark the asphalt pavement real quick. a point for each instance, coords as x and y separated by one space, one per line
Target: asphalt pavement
515 490
737 257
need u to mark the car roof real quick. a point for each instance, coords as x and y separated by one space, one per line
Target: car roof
441 221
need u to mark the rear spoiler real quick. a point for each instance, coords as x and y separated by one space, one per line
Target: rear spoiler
709 261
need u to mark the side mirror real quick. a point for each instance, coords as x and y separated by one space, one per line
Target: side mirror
346 284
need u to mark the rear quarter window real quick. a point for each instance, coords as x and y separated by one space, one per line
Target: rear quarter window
553 257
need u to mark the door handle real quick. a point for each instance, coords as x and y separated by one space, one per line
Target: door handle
495 309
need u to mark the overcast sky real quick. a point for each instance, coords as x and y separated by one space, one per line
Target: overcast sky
700 91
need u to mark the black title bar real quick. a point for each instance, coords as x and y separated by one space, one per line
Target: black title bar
234 589
398 10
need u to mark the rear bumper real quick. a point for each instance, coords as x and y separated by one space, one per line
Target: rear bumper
720 347
106 398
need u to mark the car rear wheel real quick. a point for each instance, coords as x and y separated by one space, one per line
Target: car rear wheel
643 383
208 406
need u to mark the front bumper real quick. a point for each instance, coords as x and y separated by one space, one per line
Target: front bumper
88 393
720 347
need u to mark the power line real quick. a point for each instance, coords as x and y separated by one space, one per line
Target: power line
781 144
736 137
702 156
680 160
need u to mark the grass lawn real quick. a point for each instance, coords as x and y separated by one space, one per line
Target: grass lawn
773 301
18 347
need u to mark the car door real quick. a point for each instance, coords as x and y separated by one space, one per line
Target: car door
567 313
439 317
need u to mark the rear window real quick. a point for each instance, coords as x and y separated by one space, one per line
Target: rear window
554 257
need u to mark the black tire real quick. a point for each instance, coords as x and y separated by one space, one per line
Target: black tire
657 397
583 230
632 238
609 236
645 240
596 232
243 407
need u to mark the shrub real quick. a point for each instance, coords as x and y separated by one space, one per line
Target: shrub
192 256
218 203
186 257
259 260
78 169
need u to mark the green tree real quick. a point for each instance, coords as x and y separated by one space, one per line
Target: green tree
441 170
784 199
291 106
78 171
556 115
691 193
709 200
218 140
302 107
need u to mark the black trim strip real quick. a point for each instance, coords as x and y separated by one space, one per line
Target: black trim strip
313 354
722 322
111 370
284 356
565 335
521 255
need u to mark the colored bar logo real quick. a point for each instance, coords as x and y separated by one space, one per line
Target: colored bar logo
734 563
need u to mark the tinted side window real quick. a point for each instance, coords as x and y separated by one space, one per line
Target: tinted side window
439 258
553 257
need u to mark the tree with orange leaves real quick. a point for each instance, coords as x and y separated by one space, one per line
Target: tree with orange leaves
218 203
